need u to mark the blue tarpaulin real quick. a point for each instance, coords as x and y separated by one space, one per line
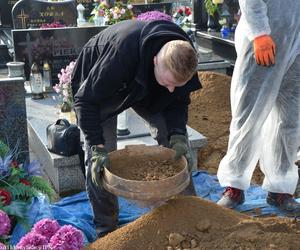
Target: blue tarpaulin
75 210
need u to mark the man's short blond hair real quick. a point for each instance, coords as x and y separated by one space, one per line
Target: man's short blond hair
180 58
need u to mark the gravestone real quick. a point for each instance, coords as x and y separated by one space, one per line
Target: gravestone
5 13
58 46
34 13
13 118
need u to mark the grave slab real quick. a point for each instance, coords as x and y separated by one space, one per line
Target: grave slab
64 172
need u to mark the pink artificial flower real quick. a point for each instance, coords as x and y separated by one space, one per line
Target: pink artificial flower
101 12
4 223
2 246
32 241
129 6
46 227
116 16
67 237
56 88
72 65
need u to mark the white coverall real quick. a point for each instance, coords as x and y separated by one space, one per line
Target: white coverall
265 101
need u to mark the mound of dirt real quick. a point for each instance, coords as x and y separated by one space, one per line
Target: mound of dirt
194 223
210 114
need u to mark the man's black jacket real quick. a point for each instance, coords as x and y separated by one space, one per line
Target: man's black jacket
115 71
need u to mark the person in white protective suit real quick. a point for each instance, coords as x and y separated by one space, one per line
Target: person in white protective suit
265 103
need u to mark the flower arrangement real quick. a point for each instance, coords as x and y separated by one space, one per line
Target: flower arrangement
67 237
46 227
99 9
182 16
19 183
114 14
64 88
2 246
119 12
211 6
52 25
48 234
4 223
154 15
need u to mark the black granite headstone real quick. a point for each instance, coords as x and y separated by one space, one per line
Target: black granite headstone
58 46
34 13
5 13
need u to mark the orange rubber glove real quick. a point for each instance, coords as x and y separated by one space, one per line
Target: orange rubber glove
264 50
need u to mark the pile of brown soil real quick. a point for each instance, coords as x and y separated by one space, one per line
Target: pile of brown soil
210 114
193 223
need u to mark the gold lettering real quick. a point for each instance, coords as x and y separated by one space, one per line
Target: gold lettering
84 1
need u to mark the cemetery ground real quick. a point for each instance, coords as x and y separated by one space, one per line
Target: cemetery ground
192 223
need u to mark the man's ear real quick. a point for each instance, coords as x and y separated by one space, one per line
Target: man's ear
154 60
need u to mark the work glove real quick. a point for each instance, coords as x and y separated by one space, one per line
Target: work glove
264 50
179 143
99 160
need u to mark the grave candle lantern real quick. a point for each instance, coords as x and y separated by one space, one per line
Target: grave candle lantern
36 82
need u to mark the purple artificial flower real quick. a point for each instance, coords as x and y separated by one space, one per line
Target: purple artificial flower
46 227
4 223
5 165
33 241
154 15
67 237
33 168
2 246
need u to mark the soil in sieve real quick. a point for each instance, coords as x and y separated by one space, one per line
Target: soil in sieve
145 169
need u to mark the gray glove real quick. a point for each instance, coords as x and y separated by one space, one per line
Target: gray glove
179 143
99 160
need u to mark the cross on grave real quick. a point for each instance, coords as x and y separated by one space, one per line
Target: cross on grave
28 45
23 18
